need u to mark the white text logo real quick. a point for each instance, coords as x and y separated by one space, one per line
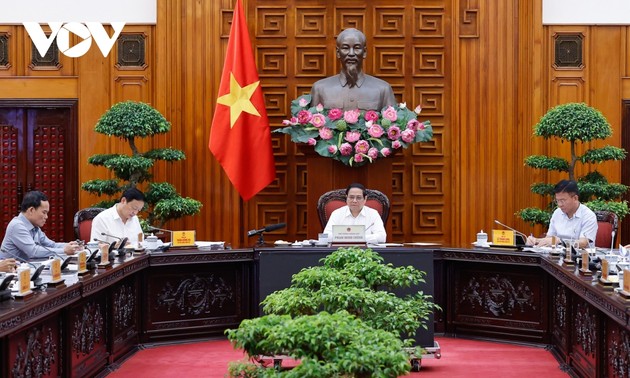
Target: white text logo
61 31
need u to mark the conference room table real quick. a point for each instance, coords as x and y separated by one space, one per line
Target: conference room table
90 324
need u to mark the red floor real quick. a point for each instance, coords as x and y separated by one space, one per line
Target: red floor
460 358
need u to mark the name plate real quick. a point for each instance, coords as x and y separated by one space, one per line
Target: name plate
503 237
605 268
55 270
104 255
183 239
82 262
349 234
24 279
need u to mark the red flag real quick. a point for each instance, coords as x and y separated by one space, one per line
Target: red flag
240 137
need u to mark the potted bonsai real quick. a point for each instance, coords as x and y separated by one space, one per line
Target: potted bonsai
339 319
576 123
128 121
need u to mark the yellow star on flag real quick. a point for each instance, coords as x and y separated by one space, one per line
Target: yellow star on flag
238 99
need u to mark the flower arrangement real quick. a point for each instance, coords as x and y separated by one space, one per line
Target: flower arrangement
355 137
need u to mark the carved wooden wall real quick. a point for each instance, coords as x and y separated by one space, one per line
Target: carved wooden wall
484 71
408 45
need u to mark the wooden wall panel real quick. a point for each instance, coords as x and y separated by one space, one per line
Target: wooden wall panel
482 70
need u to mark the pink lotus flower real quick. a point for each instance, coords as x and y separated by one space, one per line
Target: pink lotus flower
375 131
335 114
390 114
351 116
418 109
408 136
396 144
393 133
318 120
332 149
293 121
385 151
371 115
352 136
373 153
304 116
303 102
312 141
358 158
361 147
346 149
413 124
325 133
421 126
319 107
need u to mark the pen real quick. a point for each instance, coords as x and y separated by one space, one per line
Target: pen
368 227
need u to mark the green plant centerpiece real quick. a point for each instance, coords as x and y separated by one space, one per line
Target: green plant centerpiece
129 121
576 123
339 319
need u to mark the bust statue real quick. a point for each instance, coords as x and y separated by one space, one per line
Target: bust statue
352 88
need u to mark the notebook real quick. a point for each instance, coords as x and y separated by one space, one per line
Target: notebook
348 233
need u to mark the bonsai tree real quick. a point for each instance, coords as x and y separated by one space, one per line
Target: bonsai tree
130 120
576 123
339 318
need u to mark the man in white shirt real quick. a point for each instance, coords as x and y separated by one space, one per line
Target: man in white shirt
356 213
120 220
571 221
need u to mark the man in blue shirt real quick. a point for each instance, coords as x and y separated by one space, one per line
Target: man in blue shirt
24 238
571 221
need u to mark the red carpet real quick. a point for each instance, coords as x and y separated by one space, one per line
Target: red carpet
460 358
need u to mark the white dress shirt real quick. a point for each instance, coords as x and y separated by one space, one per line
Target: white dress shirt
582 224
368 217
109 222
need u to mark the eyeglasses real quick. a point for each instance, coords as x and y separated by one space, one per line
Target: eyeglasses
135 209
355 198
562 201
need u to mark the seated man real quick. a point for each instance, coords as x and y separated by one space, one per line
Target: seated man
356 213
121 220
571 221
24 238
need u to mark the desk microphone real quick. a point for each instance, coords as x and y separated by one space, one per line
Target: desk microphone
511 229
18 258
111 236
271 227
152 229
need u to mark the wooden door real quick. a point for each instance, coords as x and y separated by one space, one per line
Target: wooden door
38 151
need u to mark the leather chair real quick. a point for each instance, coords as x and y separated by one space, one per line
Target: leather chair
607 222
83 222
334 199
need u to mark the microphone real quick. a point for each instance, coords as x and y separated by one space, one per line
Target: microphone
271 227
152 229
49 250
511 229
110 236
18 258
612 241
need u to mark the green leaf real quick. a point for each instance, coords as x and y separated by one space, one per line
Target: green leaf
130 119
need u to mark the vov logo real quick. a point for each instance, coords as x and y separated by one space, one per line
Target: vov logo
88 31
